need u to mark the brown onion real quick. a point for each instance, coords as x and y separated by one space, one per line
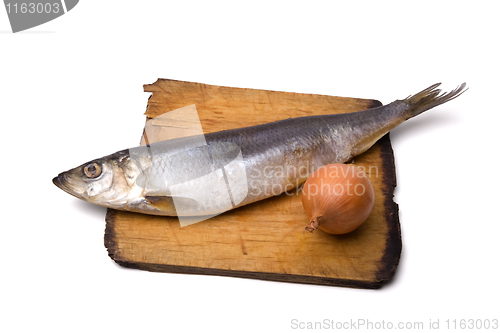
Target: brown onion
337 198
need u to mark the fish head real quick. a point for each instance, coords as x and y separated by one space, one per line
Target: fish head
106 181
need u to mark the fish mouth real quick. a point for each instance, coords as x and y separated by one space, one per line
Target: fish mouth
61 182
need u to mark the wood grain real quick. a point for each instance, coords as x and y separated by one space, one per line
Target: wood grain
263 240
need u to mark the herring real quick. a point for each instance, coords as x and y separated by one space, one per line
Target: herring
216 172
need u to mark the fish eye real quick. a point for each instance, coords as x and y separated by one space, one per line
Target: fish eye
92 170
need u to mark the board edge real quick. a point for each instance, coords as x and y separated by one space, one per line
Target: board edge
392 253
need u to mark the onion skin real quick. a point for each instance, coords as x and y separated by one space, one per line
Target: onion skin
337 198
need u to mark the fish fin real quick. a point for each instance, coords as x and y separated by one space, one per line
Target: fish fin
429 98
166 203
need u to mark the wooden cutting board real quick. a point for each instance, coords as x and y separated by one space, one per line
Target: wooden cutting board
263 240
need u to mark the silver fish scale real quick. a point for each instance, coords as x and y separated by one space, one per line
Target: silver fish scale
166 165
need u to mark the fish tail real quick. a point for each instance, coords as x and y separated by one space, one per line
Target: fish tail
429 98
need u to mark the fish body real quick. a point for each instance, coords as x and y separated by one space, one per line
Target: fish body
216 172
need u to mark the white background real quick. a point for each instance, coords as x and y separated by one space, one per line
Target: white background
71 90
